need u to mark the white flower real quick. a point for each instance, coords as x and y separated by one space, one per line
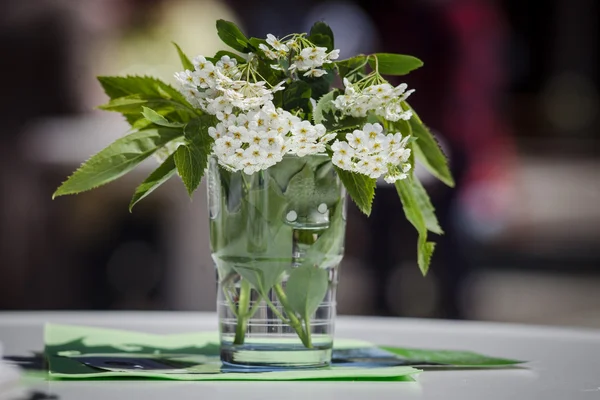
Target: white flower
333 54
369 151
268 52
382 99
226 63
315 73
201 63
187 78
302 128
227 146
357 139
217 131
276 44
343 162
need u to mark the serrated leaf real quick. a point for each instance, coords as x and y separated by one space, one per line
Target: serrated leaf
185 61
158 119
117 159
296 95
160 175
191 158
128 95
424 204
188 160
414 215
133 104
324 111
428 151
394 64
121 86
360 187
232 36
305 289
424 253
322 35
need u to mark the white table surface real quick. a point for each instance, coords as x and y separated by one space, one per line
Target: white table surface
564 363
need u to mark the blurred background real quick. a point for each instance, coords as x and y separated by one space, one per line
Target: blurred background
510 88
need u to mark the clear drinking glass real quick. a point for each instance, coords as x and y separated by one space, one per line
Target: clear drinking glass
277 238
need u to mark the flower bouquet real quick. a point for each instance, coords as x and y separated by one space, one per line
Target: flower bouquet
283 129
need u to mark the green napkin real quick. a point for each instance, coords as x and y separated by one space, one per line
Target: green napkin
77 352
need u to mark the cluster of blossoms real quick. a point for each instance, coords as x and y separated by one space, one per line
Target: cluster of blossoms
252 134
384 100
213 87
371 152
302 55
258 139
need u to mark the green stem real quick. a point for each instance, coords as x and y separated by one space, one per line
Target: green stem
230 302
242 319
294 321
277 313
307 330
254 308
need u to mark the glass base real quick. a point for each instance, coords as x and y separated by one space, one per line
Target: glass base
273 356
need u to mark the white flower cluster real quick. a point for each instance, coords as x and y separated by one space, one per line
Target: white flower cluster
308 59
214 87
255 140
371 152
383 99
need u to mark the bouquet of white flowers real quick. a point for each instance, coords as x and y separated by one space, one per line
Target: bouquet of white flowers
284 130
272 98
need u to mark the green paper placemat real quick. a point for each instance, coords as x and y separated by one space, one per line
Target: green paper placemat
77 352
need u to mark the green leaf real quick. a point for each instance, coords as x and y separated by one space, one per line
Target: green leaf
158 119
424 204
325 111
232 36
237 57
128 95
305 193
117 159
121 86
451 358
261 275
415 216
160 175
132 105
360 187
320 86
185 61
296 95
327 247
424 253
350 67
284 170
321 35
268 200
306 288
321 40
394 64
188 160
191 158
428 151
